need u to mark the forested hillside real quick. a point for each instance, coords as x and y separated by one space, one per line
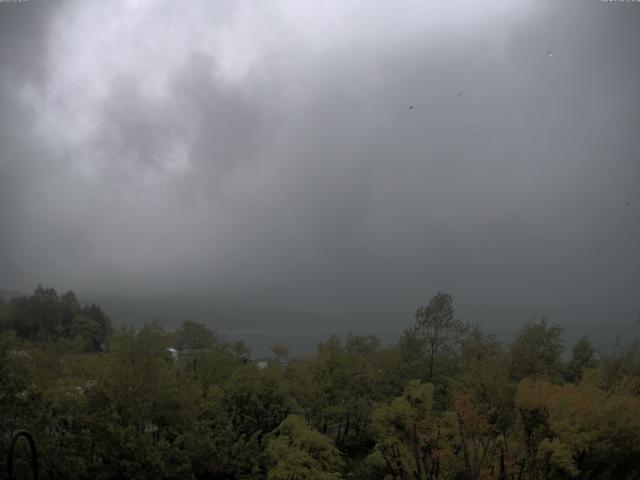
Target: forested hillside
446 401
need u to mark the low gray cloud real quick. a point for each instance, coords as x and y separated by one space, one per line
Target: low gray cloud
350 159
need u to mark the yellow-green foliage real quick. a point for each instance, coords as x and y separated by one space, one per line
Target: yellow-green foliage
298 452
580 426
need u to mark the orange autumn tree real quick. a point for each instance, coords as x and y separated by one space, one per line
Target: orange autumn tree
481 447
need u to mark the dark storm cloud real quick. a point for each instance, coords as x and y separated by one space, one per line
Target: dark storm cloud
274 157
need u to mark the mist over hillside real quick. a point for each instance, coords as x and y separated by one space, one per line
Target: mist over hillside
260 326
9 294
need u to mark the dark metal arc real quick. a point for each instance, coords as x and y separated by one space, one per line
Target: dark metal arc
34 454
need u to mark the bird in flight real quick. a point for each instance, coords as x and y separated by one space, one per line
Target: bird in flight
628 204
410 107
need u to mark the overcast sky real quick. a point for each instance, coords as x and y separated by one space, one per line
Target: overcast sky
267 152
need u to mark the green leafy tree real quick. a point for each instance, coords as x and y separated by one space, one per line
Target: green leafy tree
194 335
298 452
99 326
486 378
338 391
574 430
6 317
362 345
412 439
239 349
583 357
621 367
47 317
537 351
442 334
255 402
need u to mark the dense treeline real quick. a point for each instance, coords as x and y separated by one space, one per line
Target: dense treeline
447 401
47 316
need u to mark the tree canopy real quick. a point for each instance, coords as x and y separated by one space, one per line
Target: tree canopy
446 401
